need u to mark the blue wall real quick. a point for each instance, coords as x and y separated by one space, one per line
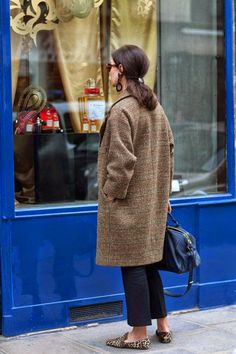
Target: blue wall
52 267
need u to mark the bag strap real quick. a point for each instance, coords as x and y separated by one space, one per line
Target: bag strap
190 283
175 222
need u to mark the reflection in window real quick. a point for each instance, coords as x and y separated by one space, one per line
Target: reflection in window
61 89
192 91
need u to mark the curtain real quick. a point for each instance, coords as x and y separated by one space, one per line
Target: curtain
105 29
135 22
78 50
16 47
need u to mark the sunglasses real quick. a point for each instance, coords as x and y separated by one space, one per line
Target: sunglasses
109 66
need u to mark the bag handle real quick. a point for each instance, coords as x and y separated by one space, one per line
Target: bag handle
175 222
190 283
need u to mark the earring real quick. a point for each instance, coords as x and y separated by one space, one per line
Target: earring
119 86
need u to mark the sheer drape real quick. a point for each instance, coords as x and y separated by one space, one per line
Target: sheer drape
16 47
78 51
129 25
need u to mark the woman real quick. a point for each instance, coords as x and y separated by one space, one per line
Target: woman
134 179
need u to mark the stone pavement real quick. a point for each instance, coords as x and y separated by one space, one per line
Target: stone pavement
198 332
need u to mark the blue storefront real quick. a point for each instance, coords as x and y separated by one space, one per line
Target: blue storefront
53 93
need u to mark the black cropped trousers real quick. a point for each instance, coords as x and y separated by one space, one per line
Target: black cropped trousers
144 294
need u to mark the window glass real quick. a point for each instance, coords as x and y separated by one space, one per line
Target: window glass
61 90
192 91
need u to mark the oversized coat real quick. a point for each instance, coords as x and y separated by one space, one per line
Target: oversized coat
135 164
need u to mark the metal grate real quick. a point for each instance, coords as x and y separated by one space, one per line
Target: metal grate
96 311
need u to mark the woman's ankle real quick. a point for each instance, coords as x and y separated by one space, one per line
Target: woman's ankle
162 325
137 333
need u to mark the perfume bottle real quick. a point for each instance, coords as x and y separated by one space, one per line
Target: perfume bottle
85 124
93 126
29 128
37 126
92 106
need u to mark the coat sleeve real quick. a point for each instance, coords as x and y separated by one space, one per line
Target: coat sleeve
121 158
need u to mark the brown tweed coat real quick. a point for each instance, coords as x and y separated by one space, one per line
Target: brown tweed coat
134 167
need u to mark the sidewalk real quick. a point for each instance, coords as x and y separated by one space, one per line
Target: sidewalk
209 331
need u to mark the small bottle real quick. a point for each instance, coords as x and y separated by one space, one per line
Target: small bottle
85 124
56 124
29 128
49 119
93 126
37 126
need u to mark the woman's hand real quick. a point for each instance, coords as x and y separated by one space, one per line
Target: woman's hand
110 199
169 207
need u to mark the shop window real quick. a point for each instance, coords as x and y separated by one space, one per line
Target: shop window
192 91
61 90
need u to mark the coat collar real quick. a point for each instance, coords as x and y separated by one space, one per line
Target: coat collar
123 95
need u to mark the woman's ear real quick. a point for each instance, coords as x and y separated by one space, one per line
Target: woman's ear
121 68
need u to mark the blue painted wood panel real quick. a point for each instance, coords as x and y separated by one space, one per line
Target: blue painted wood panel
53 259
53 267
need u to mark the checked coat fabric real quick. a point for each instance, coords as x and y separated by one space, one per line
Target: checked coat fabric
135 167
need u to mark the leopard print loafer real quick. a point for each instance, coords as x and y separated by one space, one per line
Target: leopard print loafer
119 342
164 337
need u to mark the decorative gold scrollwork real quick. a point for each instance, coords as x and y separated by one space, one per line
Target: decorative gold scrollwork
67 9
33 98
98 3
144 7
30 17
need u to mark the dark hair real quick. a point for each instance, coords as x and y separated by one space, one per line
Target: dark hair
136 63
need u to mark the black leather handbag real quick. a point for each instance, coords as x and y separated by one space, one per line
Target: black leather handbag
180 254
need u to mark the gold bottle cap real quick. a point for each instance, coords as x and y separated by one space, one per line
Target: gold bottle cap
91 82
